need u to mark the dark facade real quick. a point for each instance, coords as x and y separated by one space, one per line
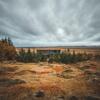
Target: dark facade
47 52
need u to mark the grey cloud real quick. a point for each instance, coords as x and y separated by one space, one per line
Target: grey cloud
51 22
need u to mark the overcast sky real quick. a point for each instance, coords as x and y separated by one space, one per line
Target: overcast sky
50 22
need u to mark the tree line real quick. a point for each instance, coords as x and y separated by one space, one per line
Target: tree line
8 52
57 57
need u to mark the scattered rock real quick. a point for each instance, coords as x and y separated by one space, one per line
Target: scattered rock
68 70
39 93
73 98
61 98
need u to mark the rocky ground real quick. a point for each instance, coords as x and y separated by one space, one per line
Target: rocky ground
44 81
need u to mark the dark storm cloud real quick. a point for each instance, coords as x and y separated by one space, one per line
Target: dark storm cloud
51 22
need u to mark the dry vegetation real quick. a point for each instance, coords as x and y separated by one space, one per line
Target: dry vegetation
43 81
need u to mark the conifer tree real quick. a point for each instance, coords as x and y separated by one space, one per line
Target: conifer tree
7 52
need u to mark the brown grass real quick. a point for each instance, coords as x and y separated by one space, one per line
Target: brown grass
20 81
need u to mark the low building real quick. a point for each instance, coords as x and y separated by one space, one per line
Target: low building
44 51
55 50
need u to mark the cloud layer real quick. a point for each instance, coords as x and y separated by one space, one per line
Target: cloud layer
51 22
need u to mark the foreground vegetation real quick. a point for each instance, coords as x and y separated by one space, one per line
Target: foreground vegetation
43 81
